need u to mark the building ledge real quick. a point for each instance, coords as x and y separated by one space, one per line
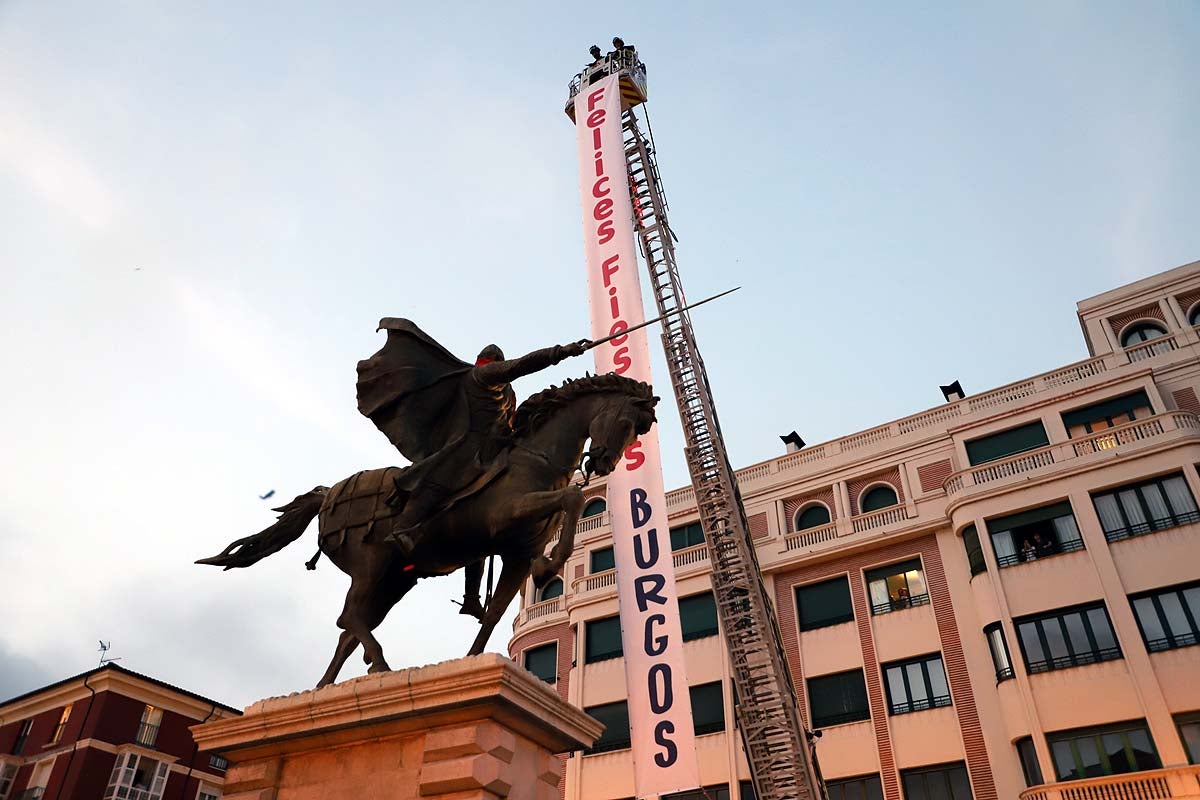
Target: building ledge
1181 782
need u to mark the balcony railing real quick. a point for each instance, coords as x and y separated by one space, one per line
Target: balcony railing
1155 347
1150 784
877 519
695 554
595 581
899 603
1076 660
798 540
1131 433
545 608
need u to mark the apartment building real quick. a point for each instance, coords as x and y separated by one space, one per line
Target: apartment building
998 597
109 733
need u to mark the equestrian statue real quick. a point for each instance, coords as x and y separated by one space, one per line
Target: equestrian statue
487 479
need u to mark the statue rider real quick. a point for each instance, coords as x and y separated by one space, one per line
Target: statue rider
452 419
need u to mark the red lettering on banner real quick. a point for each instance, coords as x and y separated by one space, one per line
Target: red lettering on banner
617 327
605 232
594 98
603 209
596 118
634 457
596 191
608 269
622 361
596 139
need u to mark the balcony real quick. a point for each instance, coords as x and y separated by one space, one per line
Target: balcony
1173 424
536 611
1183 782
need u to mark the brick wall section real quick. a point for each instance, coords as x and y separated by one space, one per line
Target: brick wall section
974 746
1185 400
1188 299
758 526
890 477
1151 311
794 504
566 648
932 476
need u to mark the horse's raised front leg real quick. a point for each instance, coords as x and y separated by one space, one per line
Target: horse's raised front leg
511 577
545 568
471 605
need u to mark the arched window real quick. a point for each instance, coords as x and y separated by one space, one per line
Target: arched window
594 507
878 497
1142 332
814 516
551 590
1194 316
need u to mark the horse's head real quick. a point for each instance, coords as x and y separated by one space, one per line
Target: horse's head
617 426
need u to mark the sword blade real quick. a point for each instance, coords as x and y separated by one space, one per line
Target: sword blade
660 318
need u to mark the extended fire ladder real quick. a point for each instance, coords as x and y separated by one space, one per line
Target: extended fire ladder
776 742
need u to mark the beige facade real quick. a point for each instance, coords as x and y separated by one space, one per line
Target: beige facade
1056 658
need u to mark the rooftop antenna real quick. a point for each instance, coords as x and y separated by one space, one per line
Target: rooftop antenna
104 648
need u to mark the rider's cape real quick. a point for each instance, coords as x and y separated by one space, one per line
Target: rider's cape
412 390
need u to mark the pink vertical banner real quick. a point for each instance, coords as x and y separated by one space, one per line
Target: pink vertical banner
660 708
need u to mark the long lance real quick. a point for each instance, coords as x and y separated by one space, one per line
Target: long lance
588 345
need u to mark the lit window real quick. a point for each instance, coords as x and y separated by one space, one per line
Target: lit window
838 699
1169 618
1093 752
1108 414
916 685
1142 332
147 733
877 498
543 661
820 605
551 590
688 535
594 507
897 586
1034 534
812 517
947 782
1145 507
1068 638
999 650
62 724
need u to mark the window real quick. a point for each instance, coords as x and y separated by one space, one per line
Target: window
1034 534
218 762
595 506
1194 315
975 559
62 724
601 560
999 650
1067 638
1029 763
1189 731
688 535
877 498
1145 507
746 791
22 736
837 699
137 776
947 782
8 772
602 640
822 604
1168 618
147 733
1092 752
718 791
864 787
615 717
916 685
543 661
698 616
208 793
1101 416
1007 443
708 708
1142 332
551 590
812 517
898 586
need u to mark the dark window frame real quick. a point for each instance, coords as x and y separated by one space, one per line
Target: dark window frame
1114 411
1072 659
911 706
946 771
976 561
844 717
974 447
826 622
685 536
589 655
712 726
875 491
1194 315
692 601
22 736
602 554
1072 738
1131 529
555 581
539 649
801 513
1031 769
884 574
1041 520
869 787
1140 329
614 737
603 503
1003 672
1172 640
1191 736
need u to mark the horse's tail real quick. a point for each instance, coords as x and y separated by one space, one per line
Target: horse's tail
293 520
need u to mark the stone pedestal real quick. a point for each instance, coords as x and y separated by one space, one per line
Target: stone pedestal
478 728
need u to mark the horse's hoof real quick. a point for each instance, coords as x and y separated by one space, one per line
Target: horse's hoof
380 666
472 608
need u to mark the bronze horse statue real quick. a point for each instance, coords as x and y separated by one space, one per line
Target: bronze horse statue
512 516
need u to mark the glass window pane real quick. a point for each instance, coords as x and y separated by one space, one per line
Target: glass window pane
854 791
1133 508
960 784
1078 635
834 791
1148 617
999 652
1159 513
825 603
1191 740
1055 639
1065 531
916 582
1030 642
916 684
1114 749
602 560
1110 516
1143 750
874 788
937 678
1173 610
879 594
914 787
1089 757
1002 543
698 616
895 682
1101 629
1192 598
1178 495
937 784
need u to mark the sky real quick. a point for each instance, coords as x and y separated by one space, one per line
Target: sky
205 208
